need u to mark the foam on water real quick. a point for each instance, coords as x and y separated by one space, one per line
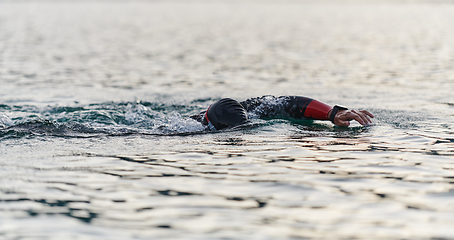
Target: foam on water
95 119
5 121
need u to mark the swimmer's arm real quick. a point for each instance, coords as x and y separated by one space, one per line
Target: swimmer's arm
314 109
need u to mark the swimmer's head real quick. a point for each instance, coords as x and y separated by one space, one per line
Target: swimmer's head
225 113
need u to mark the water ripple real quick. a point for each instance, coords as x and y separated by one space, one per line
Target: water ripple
96 140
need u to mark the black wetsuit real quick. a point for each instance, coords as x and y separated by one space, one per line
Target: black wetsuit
283 106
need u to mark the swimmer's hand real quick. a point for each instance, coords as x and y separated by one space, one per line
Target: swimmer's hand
343 117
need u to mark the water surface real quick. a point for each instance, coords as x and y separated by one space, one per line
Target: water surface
96 140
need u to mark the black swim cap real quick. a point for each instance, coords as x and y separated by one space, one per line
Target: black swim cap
225 113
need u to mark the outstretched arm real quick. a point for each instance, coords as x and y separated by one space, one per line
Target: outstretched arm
302 107
340 116
309 108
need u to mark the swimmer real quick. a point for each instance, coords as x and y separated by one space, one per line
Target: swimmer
228 112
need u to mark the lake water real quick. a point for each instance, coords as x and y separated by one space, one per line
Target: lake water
96 143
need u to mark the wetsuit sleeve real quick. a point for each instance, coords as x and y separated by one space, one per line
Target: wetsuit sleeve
302 107
287 106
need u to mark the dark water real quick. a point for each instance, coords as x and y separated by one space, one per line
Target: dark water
96 140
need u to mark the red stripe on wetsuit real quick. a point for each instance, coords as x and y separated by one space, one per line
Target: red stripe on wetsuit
317 110
309 108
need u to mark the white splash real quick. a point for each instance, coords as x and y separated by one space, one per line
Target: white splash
138 114
177 123
173 122
5 121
